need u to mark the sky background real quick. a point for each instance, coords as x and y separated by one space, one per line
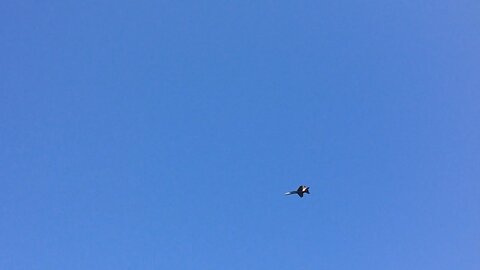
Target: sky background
163 134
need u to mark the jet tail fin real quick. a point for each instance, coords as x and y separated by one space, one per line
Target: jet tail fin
307 190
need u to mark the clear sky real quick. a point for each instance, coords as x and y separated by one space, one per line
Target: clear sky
163 134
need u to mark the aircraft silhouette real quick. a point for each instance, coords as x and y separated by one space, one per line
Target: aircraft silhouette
299 191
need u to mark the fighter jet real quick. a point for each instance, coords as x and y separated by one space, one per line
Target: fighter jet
299 191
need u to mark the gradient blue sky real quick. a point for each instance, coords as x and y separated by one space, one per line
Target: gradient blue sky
163 134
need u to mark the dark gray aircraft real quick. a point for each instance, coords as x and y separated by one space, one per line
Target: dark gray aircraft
299 191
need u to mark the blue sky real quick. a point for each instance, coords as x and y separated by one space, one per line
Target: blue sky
163 134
